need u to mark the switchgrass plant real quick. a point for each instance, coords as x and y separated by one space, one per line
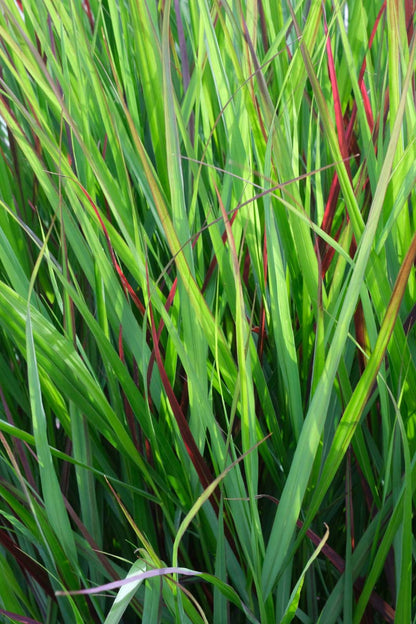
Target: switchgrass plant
207 307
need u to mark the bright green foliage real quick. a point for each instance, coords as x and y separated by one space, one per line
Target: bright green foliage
207 311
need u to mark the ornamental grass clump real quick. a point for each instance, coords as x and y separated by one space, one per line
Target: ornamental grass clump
207 308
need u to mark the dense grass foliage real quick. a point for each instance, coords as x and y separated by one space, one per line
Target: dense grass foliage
207 307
